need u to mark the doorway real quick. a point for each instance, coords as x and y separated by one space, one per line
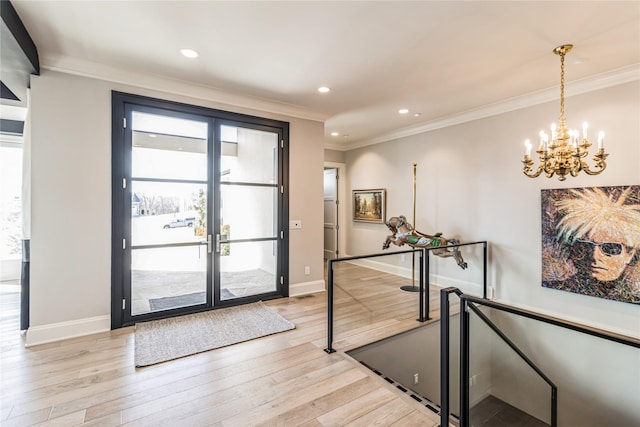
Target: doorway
333 210
198 210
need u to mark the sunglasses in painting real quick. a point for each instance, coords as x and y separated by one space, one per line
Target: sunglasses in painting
607 248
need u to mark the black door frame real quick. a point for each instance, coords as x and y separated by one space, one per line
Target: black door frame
121 200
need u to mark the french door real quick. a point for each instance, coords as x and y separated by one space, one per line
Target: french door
199 207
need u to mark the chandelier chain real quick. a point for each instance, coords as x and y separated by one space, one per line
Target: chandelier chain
562 86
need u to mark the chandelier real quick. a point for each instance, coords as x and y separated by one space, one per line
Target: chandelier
564 153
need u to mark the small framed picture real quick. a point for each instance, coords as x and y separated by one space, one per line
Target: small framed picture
369 205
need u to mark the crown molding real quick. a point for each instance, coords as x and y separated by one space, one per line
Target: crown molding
589 84
83 68
336 147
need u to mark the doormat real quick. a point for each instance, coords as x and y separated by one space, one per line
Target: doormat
167 303
166 339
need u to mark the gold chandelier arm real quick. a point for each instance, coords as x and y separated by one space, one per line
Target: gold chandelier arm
528 168
599 166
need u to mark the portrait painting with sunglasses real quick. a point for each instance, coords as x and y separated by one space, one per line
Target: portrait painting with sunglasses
591 241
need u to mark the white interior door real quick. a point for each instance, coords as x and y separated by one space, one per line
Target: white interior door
330 213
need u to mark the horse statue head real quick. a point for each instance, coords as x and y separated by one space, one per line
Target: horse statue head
404 233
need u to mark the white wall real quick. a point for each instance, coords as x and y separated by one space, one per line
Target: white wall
470 186
333 156
306 204
598 381
71 201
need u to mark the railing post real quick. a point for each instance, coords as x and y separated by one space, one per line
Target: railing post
426 280
444 357
484 270
421 316
329 348
554 406
464 363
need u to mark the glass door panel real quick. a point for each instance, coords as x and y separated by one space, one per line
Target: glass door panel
247 269
157 154
248 155
248 213
168 278
169 207
167 213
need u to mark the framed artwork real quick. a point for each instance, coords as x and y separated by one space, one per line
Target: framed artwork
591 241
369 205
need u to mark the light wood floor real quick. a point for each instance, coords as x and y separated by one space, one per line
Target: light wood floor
281 380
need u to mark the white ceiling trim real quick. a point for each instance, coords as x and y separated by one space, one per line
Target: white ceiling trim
150 81
590 84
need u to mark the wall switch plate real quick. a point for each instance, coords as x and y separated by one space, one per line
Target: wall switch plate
307 270
295 224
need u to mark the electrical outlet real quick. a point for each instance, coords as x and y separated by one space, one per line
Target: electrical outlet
416 377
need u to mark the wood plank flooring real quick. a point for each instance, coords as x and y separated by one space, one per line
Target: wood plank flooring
281 380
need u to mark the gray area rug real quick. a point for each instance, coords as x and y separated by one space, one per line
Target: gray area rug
166 339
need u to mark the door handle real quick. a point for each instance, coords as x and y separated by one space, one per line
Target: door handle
209 248
217 243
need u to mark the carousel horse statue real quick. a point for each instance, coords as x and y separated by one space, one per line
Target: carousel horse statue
404 233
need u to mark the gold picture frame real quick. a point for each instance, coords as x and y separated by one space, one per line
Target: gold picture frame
370 205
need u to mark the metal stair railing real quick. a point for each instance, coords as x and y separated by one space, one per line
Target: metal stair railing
471 303
424 276
423 300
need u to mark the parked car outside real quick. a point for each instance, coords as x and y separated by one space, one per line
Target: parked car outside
180 222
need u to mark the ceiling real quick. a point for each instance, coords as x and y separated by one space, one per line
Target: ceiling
439 60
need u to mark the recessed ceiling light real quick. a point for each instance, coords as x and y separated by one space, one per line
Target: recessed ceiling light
323 89
189 53
335 133
403 111
153 135
417 114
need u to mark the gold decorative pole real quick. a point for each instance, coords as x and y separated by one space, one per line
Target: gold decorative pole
413 287
415 165
413 255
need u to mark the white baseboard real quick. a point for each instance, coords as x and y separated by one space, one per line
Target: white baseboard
436 279
298 289
384 267
64 330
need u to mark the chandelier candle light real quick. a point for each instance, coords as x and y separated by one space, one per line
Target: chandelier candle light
564 153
